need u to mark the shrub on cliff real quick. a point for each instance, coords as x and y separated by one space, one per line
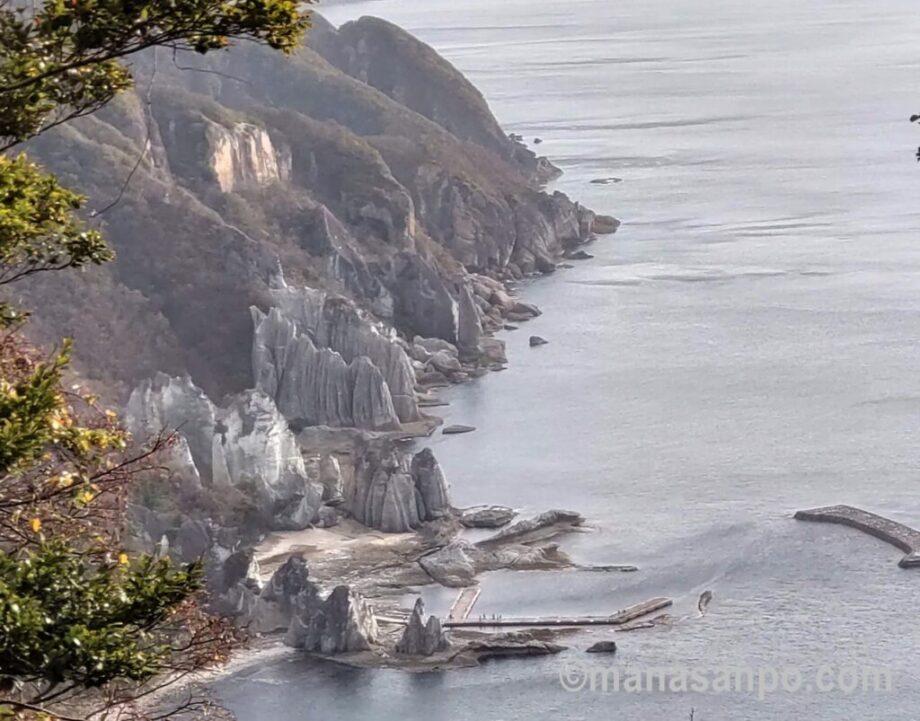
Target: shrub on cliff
85 630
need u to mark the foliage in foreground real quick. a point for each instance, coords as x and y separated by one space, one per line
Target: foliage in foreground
85 630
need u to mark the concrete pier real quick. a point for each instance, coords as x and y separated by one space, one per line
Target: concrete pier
618 619
897 534
464 603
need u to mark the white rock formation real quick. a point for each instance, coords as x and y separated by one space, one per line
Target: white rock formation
243 157
338 325
395 492
315 386
344 623
247 445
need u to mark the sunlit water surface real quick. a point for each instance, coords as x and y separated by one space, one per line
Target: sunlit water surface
744 347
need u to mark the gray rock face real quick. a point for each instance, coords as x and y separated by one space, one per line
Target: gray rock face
430 485
469 327
338 325
255 450
395 493
162 404
314 386
455 565
246 445
422 638
343 623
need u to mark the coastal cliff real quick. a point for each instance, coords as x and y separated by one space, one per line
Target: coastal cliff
365 168
307 248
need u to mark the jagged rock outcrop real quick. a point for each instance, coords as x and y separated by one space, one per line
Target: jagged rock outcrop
232 581
430 485
334 323
163 404
315 386
247 446
396 494
255 450
422 638
343 623
289 592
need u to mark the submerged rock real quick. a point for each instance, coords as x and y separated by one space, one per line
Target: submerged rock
422 638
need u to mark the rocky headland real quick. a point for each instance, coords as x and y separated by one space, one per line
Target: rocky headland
308 248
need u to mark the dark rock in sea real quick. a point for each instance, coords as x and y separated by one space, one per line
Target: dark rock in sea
579 255
537 141
606 181
536 340
457 429
508 326
603 647
422 638
487 516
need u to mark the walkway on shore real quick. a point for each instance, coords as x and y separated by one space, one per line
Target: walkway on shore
897 534
464 603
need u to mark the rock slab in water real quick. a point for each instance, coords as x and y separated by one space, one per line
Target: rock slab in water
510 645
536 340
540 527
487 516
457 429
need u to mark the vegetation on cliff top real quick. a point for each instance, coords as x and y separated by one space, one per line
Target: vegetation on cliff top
84 627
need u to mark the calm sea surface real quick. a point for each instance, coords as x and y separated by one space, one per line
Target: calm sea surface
747 345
